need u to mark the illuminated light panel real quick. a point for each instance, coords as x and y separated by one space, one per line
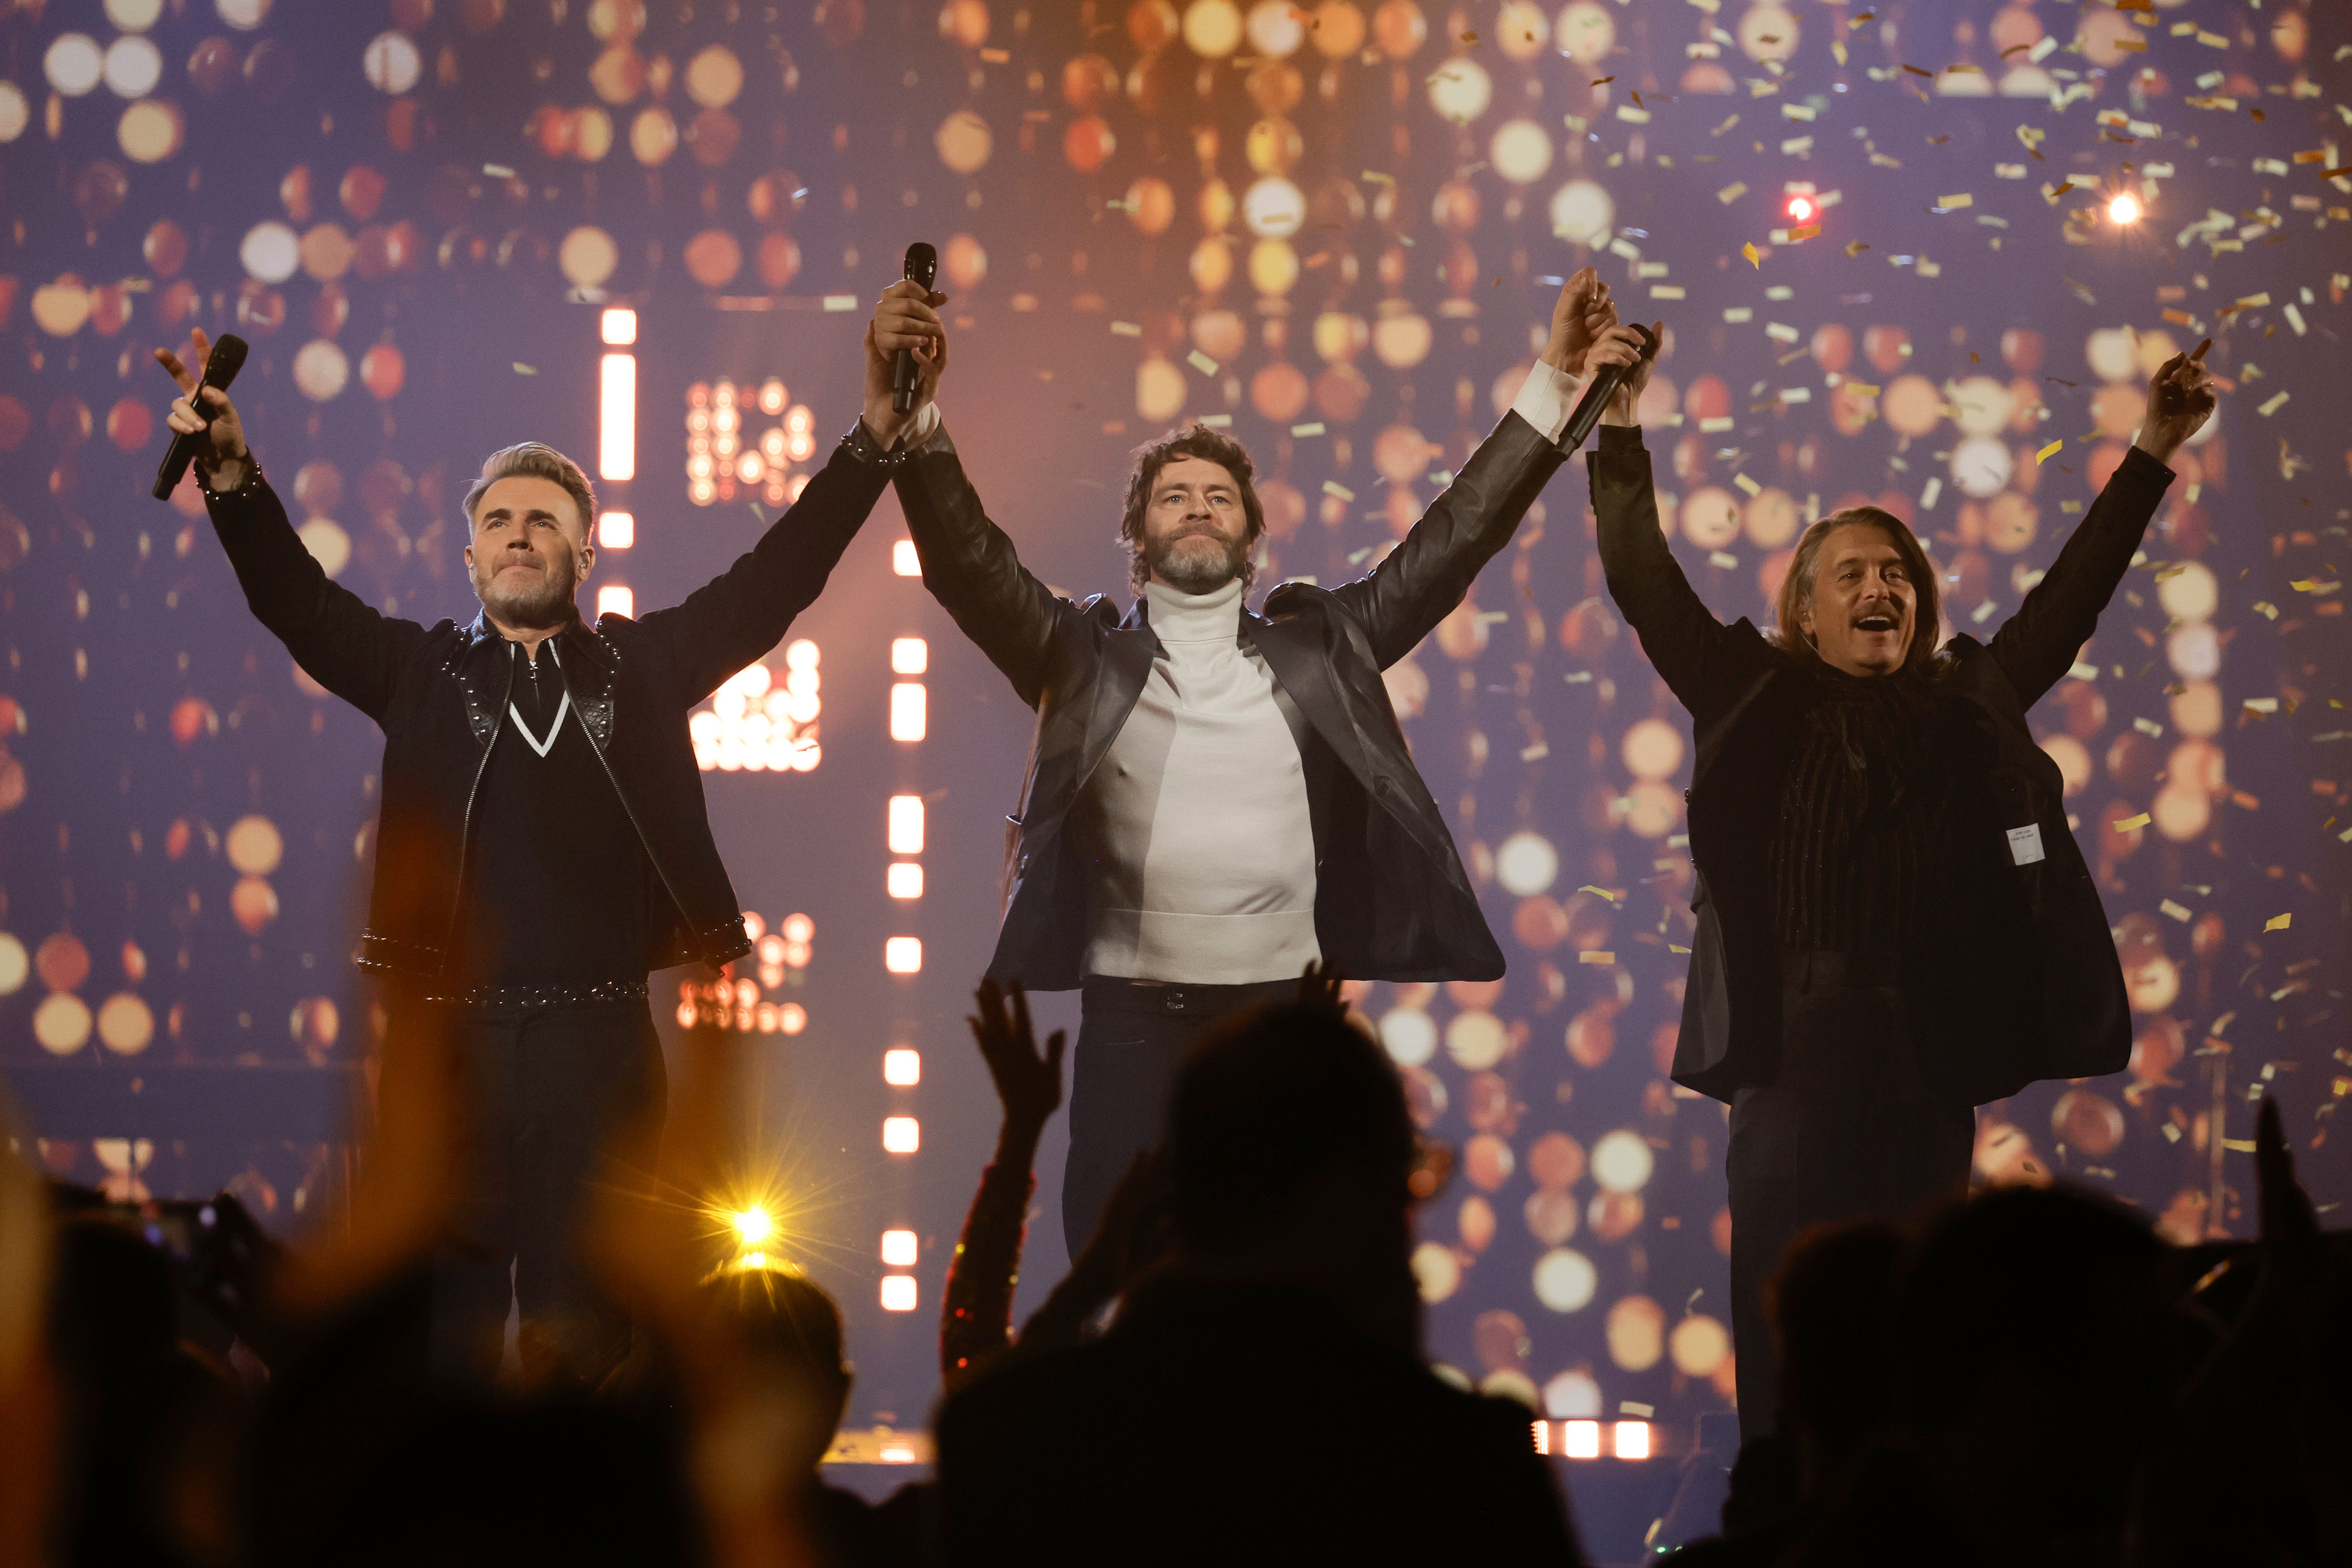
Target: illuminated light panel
909 710
899 1249
902 1066
616 530
1632 1439
728 458
906 879
905 835
904 561
903 955
898 1295
909 656
901 1134
755 725
616 424
791 1017
753 1225
620 326
615 599
1580 1439
1543 1437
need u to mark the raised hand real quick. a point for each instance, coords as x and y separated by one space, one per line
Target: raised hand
1582 313
223 456
904 317
1621 346
1319 986
1028 1084
2181 399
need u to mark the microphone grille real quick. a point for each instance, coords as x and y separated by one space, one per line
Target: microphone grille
228 358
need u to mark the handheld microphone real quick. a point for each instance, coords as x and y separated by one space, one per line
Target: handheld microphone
1599 391
220 368
923 266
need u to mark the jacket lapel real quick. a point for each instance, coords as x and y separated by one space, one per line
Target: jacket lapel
589 668
482 678
1128 652
1293 651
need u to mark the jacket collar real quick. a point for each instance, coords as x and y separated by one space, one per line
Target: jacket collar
587 662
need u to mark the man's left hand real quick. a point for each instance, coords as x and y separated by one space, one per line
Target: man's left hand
2181 399
1578 317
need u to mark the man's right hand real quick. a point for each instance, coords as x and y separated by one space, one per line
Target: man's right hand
224 454
1619 345
904 317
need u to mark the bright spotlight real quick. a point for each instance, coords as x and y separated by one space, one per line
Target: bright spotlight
2123 208
753 1225
1801 209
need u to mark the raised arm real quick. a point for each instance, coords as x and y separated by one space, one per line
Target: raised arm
1420 582
2037 645
341 641
969 563
1694 653
737 617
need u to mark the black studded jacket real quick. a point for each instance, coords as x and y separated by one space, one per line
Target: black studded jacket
438 693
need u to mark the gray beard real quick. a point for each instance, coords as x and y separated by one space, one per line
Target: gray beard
1193 575
552 603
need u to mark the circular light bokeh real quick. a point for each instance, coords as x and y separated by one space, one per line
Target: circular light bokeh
271 252
1526 864
1520 151
1565 1279
1622 1162
1460 91
74 64
1213 29
1274 210
133 66
391 63
1581 210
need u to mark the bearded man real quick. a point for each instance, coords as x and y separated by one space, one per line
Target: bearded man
542 844
1893 924
1215 797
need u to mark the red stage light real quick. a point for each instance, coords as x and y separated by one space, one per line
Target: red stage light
1801 209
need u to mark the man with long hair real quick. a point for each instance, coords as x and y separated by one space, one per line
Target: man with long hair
1215 797
542 844
1893 924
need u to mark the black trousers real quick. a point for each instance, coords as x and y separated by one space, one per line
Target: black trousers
1131 1036
560 1100
1853 1126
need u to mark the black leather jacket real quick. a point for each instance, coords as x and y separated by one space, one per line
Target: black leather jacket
439 692
2017 977
1392 900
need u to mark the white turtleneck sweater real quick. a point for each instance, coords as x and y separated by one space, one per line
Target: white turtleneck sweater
1199 848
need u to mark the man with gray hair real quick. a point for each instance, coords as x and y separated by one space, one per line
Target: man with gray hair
542 843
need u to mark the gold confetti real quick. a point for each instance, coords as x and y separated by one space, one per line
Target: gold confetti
1596 958
1755 256
1202 363
1811 231
1334 488
2132 824
2048 452
1855 247
2279 922
522 368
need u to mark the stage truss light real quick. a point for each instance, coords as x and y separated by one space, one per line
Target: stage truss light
754 1227
2124 209
902 1066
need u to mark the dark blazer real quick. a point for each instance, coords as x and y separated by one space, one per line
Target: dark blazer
2017 978
1392 900
439 694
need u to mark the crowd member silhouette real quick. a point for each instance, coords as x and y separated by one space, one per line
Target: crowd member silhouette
1264 1393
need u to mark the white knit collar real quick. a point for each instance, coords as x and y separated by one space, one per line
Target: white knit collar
1178 617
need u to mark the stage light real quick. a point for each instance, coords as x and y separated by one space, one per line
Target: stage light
1543 1437
904 561
620 326
901 1134
1580 1439
906 833
1632 1439
903 955
907 710
2123 208
1802 209
906 879
898 1295
909 656
616 530
616 445
899 1249
753 1225
615 599
902 1066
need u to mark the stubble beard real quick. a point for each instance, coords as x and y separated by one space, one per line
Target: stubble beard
1197 570
547 603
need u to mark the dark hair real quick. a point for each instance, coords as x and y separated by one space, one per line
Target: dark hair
535 460
1267 1100
1796 586
1831 1303
1197 441
786 1315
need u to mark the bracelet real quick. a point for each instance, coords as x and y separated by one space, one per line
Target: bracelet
863 446
246 487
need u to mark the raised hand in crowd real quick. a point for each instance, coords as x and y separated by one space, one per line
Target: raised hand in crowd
1321 985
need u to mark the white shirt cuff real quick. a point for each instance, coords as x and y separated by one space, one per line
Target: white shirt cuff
1546 399
920 428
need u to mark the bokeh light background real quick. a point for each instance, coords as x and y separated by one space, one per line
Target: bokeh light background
1340 228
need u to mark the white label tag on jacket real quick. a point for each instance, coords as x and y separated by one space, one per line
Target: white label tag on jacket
2025 843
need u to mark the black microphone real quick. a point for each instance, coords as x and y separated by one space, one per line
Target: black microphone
1599 391
923 267
220 368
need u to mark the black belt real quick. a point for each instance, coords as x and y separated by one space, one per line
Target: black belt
536 998
1108 994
